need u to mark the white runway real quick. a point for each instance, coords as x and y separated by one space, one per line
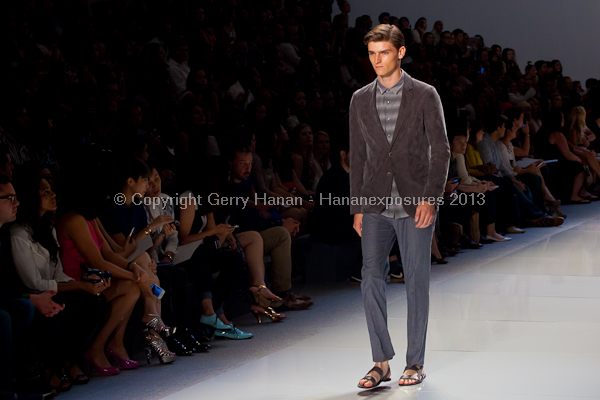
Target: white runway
517 320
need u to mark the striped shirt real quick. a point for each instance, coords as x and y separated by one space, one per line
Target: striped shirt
388 102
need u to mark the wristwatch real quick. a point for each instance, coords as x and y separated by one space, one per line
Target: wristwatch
170 257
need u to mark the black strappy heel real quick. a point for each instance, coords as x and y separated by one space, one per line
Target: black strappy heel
383 378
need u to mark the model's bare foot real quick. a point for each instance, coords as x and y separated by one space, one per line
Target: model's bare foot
384 366
407 382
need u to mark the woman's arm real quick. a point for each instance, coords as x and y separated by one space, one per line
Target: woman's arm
186 219
559 140
298 164
76 229
465 179
25 265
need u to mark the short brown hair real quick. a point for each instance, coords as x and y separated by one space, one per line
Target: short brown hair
385 33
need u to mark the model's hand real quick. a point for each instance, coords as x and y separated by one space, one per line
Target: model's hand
358 224
425 214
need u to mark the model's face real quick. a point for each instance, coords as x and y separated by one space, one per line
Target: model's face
385 58
154 184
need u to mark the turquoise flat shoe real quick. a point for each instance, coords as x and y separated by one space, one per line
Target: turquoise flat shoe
232 333
215 322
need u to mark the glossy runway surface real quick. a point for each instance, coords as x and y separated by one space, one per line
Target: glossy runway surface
516 320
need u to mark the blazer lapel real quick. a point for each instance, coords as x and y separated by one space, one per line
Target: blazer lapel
374 120
404 106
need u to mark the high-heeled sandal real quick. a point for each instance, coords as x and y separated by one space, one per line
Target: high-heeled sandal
79 379
124 363
65 383
156 343
167 334
269 313
264 303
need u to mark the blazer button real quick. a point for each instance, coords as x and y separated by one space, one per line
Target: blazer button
389 174
390 154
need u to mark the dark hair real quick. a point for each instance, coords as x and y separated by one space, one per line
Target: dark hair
492 123
382 15
27 180
457 127
474 127
238 147
131 168
528 68
552 121
4 152
385 33
425 36
4 180
513 113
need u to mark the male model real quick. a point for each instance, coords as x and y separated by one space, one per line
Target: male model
399 156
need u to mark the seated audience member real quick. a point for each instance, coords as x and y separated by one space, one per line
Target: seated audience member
194 140
507 204
320 160
593 123
531 175
6 166
295 169
265 183
276 234
35 256
164 248
519 91
567 173
482 189
490 152
256 215
210 296
82 244
18 310
580 143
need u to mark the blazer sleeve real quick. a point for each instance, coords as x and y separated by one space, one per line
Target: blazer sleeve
358 155
435 129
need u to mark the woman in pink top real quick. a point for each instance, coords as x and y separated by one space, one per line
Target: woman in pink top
82 243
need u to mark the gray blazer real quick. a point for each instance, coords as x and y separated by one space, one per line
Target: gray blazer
418 158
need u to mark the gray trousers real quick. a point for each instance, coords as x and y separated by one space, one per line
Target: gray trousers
378 235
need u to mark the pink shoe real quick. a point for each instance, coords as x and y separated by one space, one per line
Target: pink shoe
124 363
110 371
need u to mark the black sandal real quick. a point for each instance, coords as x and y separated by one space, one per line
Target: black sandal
418 377
382 378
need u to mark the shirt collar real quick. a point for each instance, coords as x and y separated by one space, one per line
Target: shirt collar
394 89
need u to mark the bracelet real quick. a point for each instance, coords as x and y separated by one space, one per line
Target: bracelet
128 265
170 257
147 231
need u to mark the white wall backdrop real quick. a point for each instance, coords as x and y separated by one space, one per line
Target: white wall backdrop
568 30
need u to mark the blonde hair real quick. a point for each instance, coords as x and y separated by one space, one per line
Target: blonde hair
385 33
577 128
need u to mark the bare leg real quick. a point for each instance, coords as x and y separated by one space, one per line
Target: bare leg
253 246
121 296
434 248
577 186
